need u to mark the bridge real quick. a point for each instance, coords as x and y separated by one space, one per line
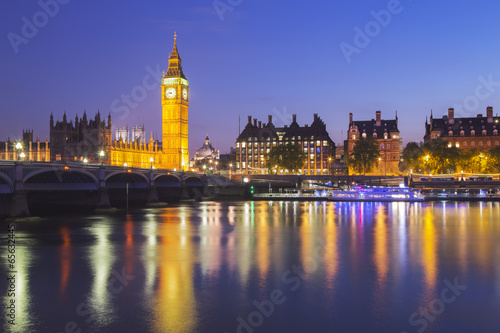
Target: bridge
24 185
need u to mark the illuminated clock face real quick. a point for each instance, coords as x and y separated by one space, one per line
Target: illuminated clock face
185 93
170 93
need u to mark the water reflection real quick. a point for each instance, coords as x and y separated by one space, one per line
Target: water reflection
102 258
199 267
175 307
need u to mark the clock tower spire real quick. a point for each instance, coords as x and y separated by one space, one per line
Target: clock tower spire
175 104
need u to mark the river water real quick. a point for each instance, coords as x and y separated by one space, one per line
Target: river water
258 267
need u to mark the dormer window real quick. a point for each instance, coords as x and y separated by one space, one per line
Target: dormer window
450 133
374 135
495 132
484 132
473 133
462 133
363 135
385 136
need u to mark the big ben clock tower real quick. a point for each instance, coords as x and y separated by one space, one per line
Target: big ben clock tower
175 103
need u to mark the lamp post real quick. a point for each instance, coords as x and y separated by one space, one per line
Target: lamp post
19 147
230 166
22 156
151 160
205 168
101 156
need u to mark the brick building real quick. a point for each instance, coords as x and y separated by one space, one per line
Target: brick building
257 139
468 133
387 136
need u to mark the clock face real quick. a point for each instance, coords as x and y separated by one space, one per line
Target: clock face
185 93
170 93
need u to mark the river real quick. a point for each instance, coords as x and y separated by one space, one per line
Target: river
257 267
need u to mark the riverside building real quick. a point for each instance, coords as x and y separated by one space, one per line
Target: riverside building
387 136
465 132
257 140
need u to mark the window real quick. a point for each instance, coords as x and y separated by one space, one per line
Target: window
385 136
484 132
480 143
473 144
473 133
450 133
457 145
495 132
488 144
497 143
462 133
374 135
237 145
465 143
363 135
354 137
381 146
243 145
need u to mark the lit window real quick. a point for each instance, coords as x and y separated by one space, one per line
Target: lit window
243 145
363 135
457 145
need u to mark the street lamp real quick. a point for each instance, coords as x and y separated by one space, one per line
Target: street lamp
101 156
230 166
205 168
151 160
22 155
85 161
19 147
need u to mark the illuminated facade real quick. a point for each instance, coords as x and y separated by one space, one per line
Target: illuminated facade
386 134
257 140
26 150
468 133
85 140
175 103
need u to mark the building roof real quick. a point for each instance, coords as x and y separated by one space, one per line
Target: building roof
264 131
175 62
466 124
207 150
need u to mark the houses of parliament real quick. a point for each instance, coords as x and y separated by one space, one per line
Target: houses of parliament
91 139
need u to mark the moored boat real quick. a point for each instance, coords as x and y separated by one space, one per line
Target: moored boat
376 193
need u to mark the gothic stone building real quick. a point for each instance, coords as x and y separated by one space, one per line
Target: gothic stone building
82 139
468 133
257 139
386 134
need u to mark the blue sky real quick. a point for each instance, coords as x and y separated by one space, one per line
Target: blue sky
264 57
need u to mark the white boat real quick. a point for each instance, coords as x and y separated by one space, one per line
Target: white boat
376 193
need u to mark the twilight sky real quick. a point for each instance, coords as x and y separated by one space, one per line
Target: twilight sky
249 58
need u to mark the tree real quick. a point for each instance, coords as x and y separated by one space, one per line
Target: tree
494 160
412 156
364 155
286 157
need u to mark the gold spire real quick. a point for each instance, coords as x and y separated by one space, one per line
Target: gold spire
175 62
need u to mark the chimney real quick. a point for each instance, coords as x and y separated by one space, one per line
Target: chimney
489 114
269 119
294 116
255 122
249 120
451 116
350 118
378 118
260 124
315 116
